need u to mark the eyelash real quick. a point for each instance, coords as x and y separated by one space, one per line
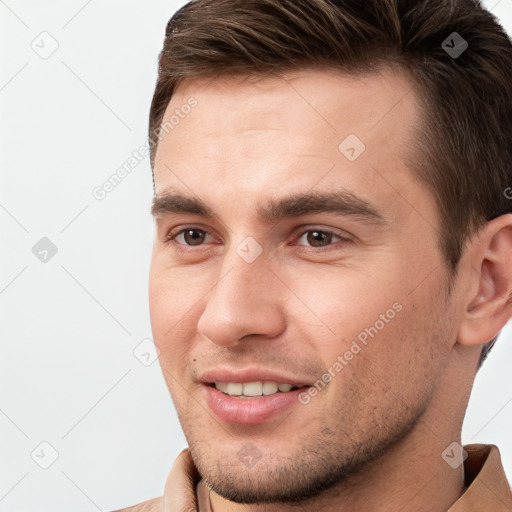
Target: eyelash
171 237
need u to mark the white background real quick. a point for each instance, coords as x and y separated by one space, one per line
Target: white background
68 375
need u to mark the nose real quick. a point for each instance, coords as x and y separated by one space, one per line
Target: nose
246 300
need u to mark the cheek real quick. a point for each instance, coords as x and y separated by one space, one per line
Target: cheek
406 356
390 374
158 309
173 292
171 309
343 303
375 324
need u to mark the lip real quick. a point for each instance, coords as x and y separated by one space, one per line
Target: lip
250 375
249 411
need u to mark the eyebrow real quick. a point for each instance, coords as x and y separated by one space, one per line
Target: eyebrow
341 203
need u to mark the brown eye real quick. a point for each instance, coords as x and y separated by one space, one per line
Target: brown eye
318 238
188 236
192 237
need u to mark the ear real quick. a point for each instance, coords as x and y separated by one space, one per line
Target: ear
489 302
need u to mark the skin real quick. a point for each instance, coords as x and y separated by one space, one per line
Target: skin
372 439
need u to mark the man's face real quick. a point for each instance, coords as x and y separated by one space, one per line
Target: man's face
351 303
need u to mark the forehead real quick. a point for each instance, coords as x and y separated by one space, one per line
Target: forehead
295 132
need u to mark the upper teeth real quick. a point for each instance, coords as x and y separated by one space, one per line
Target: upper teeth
252 388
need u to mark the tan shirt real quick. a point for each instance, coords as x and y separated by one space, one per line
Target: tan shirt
487 486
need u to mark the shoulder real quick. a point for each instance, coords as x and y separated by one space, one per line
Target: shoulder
154 505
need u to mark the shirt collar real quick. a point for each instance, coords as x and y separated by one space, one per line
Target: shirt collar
486 482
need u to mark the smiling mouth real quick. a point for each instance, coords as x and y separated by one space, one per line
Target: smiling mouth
253 389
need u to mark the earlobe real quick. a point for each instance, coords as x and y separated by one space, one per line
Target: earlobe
490 308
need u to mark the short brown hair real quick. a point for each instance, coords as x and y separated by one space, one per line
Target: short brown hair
464 144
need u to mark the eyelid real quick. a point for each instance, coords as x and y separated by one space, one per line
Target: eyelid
297 234
304 232
342 235
173 233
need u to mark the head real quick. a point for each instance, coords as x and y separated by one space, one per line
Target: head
330 194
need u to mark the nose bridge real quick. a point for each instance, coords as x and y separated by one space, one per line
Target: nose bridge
244 300
245 268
